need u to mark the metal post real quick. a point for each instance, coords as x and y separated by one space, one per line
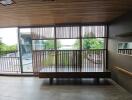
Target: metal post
80 37
55 48
106 45
19 40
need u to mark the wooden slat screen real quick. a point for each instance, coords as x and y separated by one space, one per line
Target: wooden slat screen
43 59
69 61
57 60
67 32
93 31
94 60
42 33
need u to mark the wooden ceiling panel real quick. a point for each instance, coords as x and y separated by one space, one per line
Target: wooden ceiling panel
44 12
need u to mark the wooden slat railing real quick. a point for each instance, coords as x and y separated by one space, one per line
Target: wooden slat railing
69 60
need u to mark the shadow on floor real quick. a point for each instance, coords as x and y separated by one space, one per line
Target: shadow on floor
77 81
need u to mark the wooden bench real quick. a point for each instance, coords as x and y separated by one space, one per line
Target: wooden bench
93 74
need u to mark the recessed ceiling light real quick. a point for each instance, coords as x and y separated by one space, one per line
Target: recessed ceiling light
6 2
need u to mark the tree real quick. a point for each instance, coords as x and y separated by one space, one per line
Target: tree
4 49
90 43
49 44
77 44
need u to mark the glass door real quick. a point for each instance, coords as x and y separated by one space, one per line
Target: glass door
26 49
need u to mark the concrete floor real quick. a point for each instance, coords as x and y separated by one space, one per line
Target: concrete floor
30 88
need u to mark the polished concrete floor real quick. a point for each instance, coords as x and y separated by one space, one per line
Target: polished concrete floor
32 88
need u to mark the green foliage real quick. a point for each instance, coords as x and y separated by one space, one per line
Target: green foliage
63 58
92 44
49 44
77 44
58 44
50 60
5 49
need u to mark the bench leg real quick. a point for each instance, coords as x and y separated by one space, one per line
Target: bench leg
97 80
51 80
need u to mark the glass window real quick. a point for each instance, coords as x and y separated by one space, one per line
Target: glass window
125 48
9 51
43 45
125 45
68 44
9 42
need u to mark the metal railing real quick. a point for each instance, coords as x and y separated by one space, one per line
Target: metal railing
9 62
125 51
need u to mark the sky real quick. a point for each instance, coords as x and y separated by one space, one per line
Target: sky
67 41
9 36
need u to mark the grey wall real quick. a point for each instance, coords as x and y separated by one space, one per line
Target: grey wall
120 26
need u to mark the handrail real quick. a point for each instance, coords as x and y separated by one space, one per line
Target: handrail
71 50
124 49
123 70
